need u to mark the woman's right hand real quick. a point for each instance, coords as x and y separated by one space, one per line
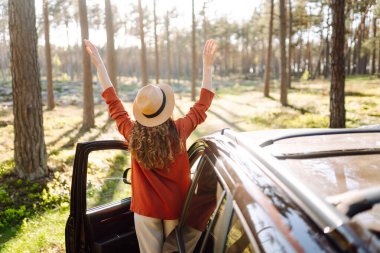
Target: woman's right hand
93 52
209 52
98 62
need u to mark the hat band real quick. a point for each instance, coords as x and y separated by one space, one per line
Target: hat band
149 116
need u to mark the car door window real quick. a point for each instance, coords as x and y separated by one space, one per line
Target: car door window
105 184
206 204
237 239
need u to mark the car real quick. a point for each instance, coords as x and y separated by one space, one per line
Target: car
281 190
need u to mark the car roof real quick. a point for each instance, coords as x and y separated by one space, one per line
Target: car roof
330 162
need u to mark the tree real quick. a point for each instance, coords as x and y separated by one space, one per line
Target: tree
373 71
337 108
290 32
284 91
143 47
326 69
111 57
49 74
29 143
168 50
269 51
193 56
88 98
156 65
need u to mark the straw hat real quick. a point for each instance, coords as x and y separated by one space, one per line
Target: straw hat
153 105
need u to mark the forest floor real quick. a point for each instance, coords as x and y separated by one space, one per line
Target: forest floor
34 213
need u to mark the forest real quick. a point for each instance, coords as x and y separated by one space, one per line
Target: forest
280 64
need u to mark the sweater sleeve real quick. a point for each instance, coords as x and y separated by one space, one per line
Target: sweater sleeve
117 112
196 115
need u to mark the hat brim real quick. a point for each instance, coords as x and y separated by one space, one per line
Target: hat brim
163 116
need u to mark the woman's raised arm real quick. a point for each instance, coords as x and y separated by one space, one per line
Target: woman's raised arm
98 62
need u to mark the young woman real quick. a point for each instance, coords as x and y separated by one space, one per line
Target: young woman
160 165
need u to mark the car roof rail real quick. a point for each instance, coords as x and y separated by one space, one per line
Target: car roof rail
324 214
321 132
329 153
356 201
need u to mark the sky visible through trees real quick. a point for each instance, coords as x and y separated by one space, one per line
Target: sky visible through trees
237 10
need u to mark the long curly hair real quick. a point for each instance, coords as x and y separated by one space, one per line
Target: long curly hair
155 147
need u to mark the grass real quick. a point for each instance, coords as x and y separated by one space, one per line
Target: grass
44 233
238 105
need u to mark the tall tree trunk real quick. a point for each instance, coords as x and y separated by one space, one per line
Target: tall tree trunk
326 69
359 60
284 90
378 60
193 56
169 62
156 65
269 52
290 31
111 57
355 58
49 71
348 60
205 30
143 47
88 98
29 142
373 71
337 107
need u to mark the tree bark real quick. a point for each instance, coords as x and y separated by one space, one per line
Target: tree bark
373 71
205 30
49 71
193 56
29 143
111 56
143 47
156 65
168 52
326 68
269 52
290 31
88 97
337 107
284 90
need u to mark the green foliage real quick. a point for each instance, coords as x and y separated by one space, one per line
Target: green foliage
235 89
6 167
360 78
284 119
305 76
65 77
29 198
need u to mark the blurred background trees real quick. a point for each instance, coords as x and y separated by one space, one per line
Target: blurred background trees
242 43
148 41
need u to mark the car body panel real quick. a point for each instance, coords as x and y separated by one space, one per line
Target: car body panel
277 182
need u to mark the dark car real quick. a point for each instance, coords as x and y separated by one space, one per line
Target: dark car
297 190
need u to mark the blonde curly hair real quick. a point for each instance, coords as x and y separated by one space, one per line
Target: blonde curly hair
155 147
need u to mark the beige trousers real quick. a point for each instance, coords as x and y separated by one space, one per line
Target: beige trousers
151 232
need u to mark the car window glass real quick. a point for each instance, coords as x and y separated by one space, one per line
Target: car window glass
215 225
203 200
194 165
237 239
105 184
201 211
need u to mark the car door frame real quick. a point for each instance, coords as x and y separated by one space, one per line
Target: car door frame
207 155
75 231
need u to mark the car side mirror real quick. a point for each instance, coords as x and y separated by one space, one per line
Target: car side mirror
127 176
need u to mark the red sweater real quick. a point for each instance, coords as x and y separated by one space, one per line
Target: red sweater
158 193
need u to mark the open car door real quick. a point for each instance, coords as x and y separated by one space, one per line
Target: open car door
100 219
